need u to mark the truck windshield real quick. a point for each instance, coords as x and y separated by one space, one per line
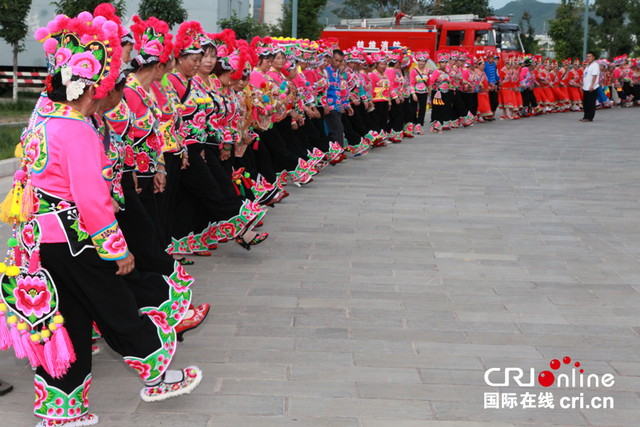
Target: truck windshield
510 40
484 38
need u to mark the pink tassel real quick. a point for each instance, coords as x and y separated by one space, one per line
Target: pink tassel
18 255
34 262
66 354
5 336
50 360
30 350
17 342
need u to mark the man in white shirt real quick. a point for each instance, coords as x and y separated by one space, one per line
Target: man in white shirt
590 84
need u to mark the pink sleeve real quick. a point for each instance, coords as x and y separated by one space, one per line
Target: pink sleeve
433 77
83 164
412 80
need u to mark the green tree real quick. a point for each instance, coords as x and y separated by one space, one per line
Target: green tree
634 22
308 25
246 28
72 8
13 29
463 7
170 11
613 33
529 43
356 9
566 30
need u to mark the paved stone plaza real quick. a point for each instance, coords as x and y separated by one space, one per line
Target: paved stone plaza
391 284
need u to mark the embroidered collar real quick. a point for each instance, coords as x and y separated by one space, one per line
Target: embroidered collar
57 109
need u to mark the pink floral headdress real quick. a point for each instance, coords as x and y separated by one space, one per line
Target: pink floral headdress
153 40
187 40
236 60
422 55
87 53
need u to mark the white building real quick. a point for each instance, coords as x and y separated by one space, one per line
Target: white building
208 12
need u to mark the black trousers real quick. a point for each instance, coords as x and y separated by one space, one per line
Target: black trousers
281 157
315 138
408 110
589 104
380 115
142 227
366 117
494 100
441 110
335 126
200 199
167 200
470 102
258 158
357 121
396 117
294 145
351 135
528 99
418 108
458 107
220 170
89 290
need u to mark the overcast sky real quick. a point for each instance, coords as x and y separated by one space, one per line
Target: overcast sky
497 4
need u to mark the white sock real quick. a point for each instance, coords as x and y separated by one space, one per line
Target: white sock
171 377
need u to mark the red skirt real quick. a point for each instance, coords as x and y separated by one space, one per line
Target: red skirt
575 94
484 106
507 98
560 94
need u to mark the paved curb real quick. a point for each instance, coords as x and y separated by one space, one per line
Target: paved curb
9 166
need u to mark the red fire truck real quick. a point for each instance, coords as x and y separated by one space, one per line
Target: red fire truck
479 36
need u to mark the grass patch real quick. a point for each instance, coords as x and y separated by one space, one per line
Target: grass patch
20 108
9 138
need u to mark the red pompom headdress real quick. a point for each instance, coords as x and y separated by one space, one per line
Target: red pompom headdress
187 40
153 41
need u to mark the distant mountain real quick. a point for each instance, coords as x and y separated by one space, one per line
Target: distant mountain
540 12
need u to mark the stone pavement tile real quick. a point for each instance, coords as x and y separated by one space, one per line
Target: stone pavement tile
527 339
288 357
288 388
353 374
294 311
242 370
213 405
472 325
249 319
353 345
627 368
538 328
590 353
431 361
375 408
344 322
371 422
244 343
413 296
613 417
153 420
455 306
515 351
453 377
278 331
408 335
429 392
348 303
279 421
512 317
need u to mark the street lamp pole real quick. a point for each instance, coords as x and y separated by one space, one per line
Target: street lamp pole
294 18
586 29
